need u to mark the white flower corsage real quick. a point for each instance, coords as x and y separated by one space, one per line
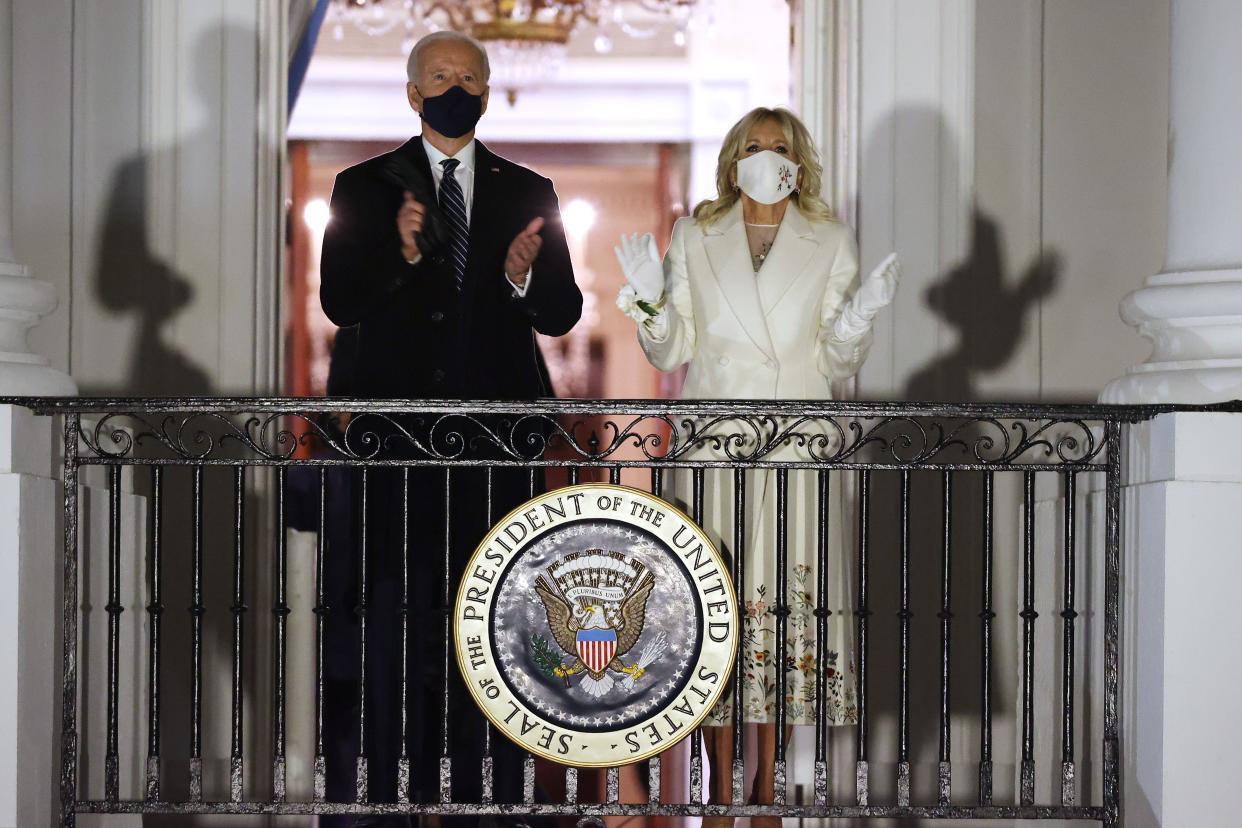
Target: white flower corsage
640 310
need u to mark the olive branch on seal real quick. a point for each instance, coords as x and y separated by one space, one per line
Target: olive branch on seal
546 660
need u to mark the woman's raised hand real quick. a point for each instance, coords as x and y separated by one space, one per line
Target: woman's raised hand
875 292
879 288
640 262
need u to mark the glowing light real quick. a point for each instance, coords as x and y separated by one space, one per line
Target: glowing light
579 216
316 215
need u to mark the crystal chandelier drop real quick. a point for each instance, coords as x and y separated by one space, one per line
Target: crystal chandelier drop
525 39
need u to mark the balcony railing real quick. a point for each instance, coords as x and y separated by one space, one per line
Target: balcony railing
985 625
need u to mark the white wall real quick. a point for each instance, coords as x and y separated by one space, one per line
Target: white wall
148 138
1013 153
147 188
1050 115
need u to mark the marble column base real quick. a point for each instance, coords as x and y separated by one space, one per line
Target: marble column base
1194 321
23 302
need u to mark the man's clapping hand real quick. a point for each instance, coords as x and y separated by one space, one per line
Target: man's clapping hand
522 252
409 224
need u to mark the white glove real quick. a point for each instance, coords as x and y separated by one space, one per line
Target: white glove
640 262
874 294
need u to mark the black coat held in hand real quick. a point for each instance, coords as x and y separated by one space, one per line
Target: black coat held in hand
418 336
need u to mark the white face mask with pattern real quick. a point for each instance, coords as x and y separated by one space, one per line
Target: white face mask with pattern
767 177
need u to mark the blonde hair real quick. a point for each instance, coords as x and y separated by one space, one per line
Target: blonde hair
806 198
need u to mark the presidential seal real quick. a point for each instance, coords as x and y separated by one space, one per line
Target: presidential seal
596 625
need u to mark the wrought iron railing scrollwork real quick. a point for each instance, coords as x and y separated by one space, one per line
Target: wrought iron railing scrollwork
860 440
528 434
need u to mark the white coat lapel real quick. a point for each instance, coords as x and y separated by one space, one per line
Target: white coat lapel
729 255
793 248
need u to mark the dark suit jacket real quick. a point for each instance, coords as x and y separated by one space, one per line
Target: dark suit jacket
418 336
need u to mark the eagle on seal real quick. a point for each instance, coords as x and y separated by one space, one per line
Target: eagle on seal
596 645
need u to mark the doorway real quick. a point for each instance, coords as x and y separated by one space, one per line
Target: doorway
628 129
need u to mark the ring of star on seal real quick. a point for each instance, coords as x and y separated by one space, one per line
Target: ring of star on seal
596 625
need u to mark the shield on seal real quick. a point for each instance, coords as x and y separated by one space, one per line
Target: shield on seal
596 647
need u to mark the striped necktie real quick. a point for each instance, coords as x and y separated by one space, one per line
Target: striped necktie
453 204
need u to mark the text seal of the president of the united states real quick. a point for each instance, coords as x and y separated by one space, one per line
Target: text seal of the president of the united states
596 625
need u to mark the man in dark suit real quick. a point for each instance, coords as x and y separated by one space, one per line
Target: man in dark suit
448 259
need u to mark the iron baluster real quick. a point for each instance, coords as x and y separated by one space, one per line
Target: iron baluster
654 780
1068 614
738 767
1028 615
528 763
696 737
321 613
822 612
197 610
488 769
781 611
446 760
903 666
985 650
69 631
238 610
863 613
1111 816
280 614
403 758
155 611
613 786
944 780
363 611
113 608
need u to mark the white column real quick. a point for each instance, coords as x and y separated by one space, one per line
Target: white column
29 573
28 503
1180 673
23 300
1192 311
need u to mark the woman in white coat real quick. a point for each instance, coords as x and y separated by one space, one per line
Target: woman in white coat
759 293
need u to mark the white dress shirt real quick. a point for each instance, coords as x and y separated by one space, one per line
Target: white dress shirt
464 172
465 179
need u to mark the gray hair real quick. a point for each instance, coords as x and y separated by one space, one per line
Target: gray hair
411 65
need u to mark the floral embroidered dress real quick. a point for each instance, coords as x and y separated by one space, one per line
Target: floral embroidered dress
757 652
752 312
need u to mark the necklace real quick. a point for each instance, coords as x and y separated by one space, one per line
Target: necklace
760 237
759 257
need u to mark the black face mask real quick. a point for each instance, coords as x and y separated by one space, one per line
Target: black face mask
453 113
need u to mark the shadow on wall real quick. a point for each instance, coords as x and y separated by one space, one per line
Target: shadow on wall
132 278
914 154
987 310
147 278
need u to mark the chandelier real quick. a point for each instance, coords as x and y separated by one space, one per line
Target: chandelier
525 39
